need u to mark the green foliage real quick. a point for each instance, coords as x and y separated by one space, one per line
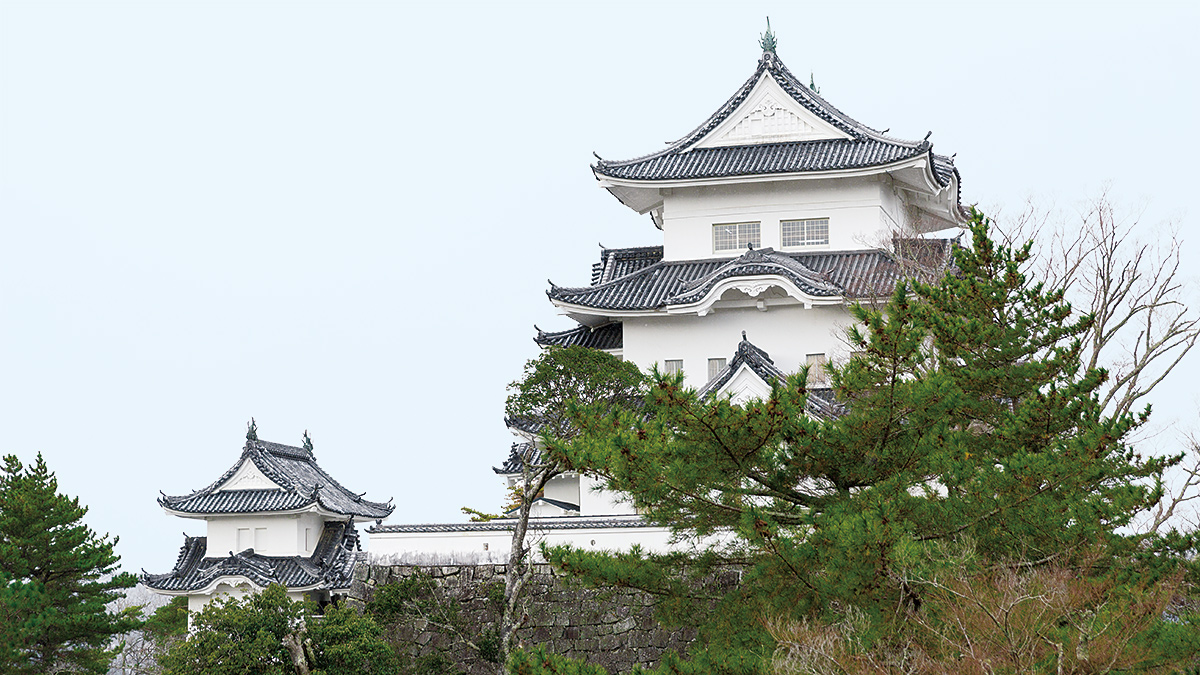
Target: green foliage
247 636
56 578
970 420
564 376
348 643
168 621
478 516
538 661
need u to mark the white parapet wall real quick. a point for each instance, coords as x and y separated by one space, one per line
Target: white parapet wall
489 542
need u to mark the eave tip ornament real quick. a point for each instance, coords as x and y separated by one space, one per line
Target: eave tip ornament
767 40
252 431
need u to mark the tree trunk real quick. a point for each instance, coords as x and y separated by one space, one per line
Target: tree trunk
293 642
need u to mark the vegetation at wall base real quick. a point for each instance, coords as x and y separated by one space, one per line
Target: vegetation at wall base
268 634
56 578
975 467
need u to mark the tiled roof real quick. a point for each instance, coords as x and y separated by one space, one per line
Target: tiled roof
865 146
850 274
608 336
302 484
331 566
755 262
766 158
821 401
502 524
749 355
565 506
513 463
617 262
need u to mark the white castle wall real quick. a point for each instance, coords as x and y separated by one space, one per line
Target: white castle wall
787 333
862 212
281 535
464 547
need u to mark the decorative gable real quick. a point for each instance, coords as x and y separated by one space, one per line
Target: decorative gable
248 477
769 115
744 386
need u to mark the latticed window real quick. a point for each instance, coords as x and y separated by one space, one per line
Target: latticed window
734 236
672 366
810 232
715 366
817 376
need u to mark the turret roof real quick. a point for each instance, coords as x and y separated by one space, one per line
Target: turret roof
608 336
301 484
856 147
657 284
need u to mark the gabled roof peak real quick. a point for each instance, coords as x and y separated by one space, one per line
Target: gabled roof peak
290 480
775 124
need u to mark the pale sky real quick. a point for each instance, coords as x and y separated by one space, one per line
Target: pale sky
340 216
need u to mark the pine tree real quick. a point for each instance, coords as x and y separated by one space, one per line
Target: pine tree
970 426
60 577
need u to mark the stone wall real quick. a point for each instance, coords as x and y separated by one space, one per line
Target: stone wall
612 628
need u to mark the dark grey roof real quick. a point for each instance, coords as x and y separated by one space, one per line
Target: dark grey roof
502 524
617 262
760 261
331 566
565 506
849 274
749 355
821 401
608 336
302 484
865 146
513 463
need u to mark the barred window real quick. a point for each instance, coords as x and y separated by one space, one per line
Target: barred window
811 232
672 366
734 236
715 366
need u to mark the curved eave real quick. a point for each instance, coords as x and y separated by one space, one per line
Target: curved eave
921 161
704 304
236 580
311 507
590 316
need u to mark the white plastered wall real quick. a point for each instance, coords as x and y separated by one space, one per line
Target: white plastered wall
564 488
279 535
856 209
596 502
493 546
234 589
788 334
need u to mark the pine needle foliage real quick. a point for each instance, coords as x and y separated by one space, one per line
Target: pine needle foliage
56 578
970 420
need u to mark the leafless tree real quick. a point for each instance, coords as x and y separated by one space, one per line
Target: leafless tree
1130 280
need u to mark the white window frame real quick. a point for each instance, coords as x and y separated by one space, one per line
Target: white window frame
749 232
672 366
806 226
